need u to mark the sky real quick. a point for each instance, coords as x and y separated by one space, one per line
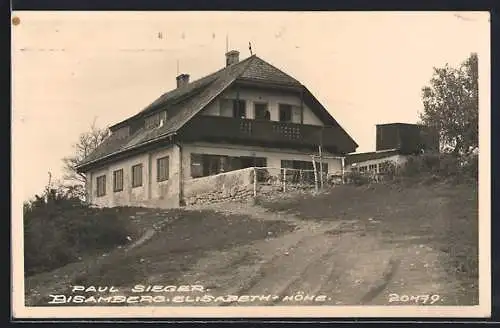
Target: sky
71 68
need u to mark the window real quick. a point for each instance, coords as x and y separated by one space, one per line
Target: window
297 165
118 180
303 165
287 164
154 121
162 169
285 113
249 161
101 185
203 165
196 165
261 112
212 165
137 175
122 132
302 171
372 167
239 108
363 169
163 117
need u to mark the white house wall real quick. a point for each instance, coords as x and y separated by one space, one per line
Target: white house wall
272 98
151 193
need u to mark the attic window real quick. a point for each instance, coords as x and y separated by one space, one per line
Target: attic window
122 132
155 121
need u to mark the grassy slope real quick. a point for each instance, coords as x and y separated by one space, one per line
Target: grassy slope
172 250
443 216
181 243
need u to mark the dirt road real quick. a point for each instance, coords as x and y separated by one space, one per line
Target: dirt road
319 263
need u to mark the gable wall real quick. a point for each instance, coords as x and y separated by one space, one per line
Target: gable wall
273 98
151 193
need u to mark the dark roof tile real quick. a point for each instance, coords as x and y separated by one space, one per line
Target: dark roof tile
260 70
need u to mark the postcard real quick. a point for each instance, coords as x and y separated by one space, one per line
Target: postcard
250 164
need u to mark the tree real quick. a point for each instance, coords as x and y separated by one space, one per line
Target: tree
86 144
451 105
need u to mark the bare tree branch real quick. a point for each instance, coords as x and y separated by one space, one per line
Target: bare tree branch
87 143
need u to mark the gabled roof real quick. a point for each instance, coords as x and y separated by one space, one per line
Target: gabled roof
186 101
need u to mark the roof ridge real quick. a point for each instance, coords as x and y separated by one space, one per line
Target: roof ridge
247 64
281 71
220 70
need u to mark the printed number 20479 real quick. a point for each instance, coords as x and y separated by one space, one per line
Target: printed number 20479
422 299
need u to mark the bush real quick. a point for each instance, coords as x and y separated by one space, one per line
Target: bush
357 178
59 228
470 166
440 167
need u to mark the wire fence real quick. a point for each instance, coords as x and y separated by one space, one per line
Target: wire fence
271 179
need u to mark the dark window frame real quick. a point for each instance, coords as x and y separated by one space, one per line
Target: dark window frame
117 187
101 181
162 175
285 110
203 165
238 109
287 164
265 108
135 183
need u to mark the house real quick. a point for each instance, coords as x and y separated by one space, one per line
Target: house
247 114
394 143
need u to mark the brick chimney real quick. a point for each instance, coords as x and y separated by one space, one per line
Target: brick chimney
232 57
182 80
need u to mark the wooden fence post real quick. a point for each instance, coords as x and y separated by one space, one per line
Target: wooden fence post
320 166
254 182
342 172
315 175
284 179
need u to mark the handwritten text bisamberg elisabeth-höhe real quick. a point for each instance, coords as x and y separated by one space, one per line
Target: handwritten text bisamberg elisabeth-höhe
165 294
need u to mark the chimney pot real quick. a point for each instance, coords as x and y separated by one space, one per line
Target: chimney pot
232 57
182 80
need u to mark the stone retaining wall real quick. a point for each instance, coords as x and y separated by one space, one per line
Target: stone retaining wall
232 185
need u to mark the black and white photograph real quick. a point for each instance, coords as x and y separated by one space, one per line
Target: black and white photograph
250 164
